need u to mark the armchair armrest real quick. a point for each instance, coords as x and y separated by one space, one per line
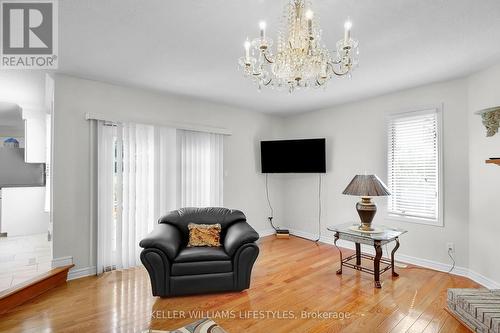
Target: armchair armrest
238 234
164 237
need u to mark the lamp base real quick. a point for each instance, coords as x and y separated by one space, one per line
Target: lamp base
366 211
358 229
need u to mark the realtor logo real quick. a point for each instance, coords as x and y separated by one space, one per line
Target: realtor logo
29 34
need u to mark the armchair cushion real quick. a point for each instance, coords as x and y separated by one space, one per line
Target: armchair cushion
238 234
164 237
201 267
190 254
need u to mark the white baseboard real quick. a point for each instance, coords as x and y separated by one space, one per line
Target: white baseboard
488 283
310 236
62 261
266 232
438 266
81 272
73 273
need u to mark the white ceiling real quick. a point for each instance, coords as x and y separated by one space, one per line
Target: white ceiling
191 47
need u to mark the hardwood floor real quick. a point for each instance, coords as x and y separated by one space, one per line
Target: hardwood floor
290 276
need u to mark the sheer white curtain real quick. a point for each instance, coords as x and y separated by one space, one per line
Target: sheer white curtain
165 170
201 168
106 253
131 175
134 190
144 172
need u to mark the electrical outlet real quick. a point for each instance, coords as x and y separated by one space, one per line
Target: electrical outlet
450 247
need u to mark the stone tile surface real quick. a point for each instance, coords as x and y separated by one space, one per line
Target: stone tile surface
23 257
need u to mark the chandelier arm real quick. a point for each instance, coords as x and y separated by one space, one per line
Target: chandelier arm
340 74
332 68
268 82
268 59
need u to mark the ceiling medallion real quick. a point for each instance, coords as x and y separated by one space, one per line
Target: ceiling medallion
301 60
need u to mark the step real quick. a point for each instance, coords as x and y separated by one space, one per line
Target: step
16 295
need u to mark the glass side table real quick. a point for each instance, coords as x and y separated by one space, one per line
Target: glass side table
382 235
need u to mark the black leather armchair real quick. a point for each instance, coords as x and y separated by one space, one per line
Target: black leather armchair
175 269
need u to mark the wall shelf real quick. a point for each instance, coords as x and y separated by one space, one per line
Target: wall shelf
497 162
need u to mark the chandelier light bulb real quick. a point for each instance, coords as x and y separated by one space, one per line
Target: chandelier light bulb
262 26
347 30
247 50
309 17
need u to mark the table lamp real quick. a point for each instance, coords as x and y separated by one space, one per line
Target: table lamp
366 186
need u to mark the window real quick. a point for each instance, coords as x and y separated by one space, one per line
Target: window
414 164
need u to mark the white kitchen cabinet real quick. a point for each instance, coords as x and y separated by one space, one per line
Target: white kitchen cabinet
35 132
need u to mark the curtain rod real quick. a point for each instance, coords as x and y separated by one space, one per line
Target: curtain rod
183 126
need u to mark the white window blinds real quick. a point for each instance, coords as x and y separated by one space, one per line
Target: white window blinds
413 165
145 171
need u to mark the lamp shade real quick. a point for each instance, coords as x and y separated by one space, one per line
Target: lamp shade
366 186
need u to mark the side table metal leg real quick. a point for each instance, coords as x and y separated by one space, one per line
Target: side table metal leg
339 271
358 254
392 257
376 264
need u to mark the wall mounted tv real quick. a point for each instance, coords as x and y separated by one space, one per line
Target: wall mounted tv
293 156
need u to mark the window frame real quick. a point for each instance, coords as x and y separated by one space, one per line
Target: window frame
438 110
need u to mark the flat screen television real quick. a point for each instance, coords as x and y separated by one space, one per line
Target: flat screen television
293 156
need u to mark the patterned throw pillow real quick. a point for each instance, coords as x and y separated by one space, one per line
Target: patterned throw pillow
204 234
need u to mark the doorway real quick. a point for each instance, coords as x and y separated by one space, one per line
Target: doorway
25 232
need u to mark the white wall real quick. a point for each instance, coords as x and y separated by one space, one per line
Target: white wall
23 211
484 229
356 142
74 227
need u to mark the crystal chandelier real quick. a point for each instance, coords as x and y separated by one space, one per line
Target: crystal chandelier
301 59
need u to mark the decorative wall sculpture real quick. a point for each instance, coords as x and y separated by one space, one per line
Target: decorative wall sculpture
491 120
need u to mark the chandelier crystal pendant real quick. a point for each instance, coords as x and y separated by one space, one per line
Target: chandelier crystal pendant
301 60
